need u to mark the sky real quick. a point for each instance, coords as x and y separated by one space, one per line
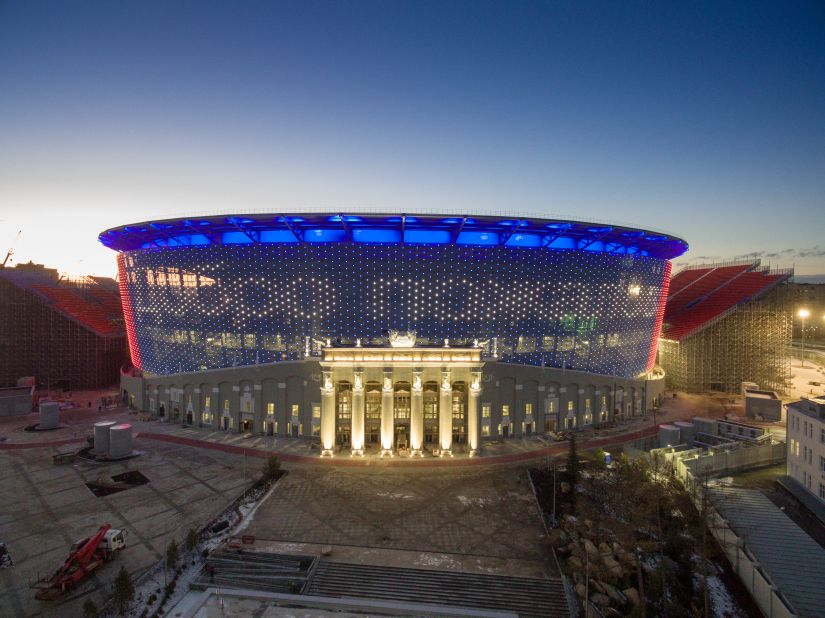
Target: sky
702 119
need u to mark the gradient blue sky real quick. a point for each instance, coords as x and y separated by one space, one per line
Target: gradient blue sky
706 119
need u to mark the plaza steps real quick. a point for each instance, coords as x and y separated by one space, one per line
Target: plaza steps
255 571
530 598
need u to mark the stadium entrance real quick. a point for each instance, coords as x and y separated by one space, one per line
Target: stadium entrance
400 398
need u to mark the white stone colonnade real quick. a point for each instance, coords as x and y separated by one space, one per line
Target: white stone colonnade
388 366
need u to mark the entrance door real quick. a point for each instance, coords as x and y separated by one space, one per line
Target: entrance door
528 429
225 423
402 437
246 426
505 431
294 431
270 429
188 418
161 411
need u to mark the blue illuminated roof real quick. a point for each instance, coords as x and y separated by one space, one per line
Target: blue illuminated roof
391 229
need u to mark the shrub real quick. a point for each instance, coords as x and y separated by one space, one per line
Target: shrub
89 609
172 554
271 469
191 539
124 591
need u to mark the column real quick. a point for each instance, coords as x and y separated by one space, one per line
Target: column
258 412
358 414
445 415
386 415
472 413
327 415
416 415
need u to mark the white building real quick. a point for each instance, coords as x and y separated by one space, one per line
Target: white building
806 444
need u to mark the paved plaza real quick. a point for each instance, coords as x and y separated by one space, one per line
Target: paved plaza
45 508
460 519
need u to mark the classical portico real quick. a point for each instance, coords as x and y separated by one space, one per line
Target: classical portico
400 399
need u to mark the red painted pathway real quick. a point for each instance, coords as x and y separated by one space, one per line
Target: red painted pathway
556 449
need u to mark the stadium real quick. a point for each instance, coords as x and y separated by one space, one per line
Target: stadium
395 330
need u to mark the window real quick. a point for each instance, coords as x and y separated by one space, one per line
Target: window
270 409
821 491
295 410
401 407
206 403
226 406
316 411
485 413
821 463
344 409
458 406
505 410
551 407
485 430
822 436
569 406
373 410
430 406
528 409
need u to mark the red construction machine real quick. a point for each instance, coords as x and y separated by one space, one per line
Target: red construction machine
86 555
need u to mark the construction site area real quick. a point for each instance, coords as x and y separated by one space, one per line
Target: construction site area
367 537
50 507
466 536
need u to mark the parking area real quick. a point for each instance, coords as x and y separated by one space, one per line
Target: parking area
45 508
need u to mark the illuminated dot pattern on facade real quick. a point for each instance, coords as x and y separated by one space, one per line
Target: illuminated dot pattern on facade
224 305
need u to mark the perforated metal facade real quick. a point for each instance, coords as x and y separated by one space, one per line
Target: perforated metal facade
222 305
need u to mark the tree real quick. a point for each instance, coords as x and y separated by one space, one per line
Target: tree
89 609
172 554
573 470
123 591
191 539
272 468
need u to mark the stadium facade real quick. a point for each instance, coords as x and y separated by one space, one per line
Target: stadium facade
404 309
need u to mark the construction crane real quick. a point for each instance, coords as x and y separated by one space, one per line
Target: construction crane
86 555
11 249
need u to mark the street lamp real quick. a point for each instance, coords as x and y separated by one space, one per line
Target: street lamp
803 314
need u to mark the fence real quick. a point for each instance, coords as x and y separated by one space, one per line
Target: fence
723 462
693 463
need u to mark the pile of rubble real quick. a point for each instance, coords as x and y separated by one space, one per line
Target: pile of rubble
587 552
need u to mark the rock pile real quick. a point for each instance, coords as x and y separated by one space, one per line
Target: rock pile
590 553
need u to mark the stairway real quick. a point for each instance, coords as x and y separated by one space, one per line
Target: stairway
530 598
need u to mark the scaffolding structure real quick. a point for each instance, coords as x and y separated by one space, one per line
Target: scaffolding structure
748 342
63 346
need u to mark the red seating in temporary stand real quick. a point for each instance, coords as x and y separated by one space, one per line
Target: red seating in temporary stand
707 293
